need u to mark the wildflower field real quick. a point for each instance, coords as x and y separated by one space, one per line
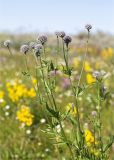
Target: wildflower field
57 96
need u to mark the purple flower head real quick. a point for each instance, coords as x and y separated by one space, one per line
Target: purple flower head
57 33
38 49
88 27
24 48
42 39
54 73
67 40
62 34
65 83
94 113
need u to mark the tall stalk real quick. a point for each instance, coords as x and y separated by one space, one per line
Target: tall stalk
84 59
99 115
47 88
75 91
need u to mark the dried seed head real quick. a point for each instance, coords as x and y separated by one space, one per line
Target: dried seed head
61 34
32 45
24 48
88 27
67 40
42 39
7 43
38 49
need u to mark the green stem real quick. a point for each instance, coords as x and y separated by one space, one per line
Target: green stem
83 62
65 58
75 97
99 116
54 102
44 52
44 82
9 50
56 59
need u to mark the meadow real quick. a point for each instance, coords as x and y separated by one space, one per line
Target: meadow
57 96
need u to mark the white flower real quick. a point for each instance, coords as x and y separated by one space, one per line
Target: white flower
58 127
28 131
7 107
6 113
1 100
43 120
86 125
47 150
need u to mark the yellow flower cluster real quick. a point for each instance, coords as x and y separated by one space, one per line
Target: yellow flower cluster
24 115
17 90
72 109
107 53
89 138
90 79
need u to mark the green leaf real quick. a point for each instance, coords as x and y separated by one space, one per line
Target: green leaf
52 111
109 144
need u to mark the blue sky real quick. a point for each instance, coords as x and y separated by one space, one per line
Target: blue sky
52 15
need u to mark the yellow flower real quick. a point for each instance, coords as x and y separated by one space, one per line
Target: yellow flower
17 91
95 152
72 109
87 67
89 138
60 67
31 93
34 81
107 53
57 89
24 115
1 94
110 52
90 79
76 62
